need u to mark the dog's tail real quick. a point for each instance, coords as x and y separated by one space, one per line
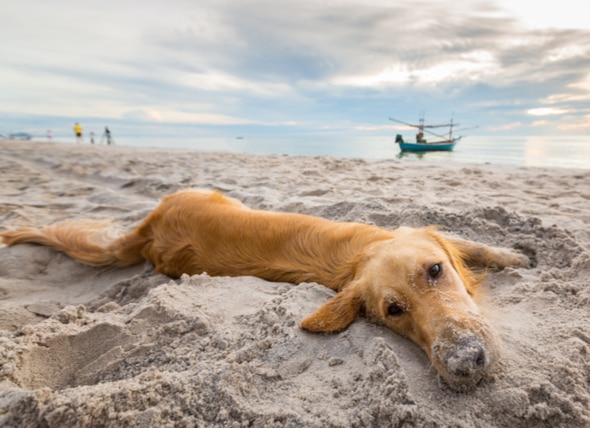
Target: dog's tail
87 241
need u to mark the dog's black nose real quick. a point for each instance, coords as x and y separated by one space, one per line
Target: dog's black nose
467 359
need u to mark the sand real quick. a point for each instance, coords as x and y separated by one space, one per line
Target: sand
81 346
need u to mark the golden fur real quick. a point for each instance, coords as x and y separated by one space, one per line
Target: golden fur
414 281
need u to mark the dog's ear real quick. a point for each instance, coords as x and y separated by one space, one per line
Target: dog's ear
336 314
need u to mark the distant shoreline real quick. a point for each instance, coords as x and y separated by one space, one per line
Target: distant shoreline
574 154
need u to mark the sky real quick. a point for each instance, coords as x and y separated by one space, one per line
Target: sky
220 67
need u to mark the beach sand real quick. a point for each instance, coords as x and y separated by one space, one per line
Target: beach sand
81 346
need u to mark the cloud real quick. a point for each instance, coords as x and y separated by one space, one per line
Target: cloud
379 127
580 124
350 64
545 111
506 127
175 116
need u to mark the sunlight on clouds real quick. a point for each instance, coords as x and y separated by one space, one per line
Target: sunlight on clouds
568 52
519 41
506 127
151 114
375 127
578 126
154 116
472 66
396 74
583 85
545 111
536 14
568 97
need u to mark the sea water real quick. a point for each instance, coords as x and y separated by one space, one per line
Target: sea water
565 152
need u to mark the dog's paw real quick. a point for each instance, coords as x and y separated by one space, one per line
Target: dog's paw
526 255
502 258
509 258
521 260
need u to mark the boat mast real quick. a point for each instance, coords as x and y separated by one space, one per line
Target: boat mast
420 136
422 115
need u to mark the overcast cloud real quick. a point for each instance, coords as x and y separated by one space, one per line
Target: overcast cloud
302 65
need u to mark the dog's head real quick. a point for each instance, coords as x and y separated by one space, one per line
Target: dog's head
417 285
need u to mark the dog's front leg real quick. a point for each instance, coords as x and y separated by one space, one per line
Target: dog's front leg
483 255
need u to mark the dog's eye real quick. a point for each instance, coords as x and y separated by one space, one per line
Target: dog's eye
394 310
435 271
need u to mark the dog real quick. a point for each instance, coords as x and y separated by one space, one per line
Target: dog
418 282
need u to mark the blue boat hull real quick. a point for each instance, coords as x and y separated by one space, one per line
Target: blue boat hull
441 146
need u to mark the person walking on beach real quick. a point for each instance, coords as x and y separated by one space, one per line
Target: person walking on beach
78 131
107 133
91 137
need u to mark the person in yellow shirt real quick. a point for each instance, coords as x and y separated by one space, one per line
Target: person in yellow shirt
78 131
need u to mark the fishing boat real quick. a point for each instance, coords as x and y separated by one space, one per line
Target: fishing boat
443 142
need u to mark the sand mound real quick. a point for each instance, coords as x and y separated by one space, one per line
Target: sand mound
105 347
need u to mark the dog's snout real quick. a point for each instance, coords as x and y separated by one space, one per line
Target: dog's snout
467 359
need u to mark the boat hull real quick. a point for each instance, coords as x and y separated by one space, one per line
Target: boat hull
440 146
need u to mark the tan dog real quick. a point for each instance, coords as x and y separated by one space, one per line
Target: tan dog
414 281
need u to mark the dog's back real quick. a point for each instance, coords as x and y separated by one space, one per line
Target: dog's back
194 232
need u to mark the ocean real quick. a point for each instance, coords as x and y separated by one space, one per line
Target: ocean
564 152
